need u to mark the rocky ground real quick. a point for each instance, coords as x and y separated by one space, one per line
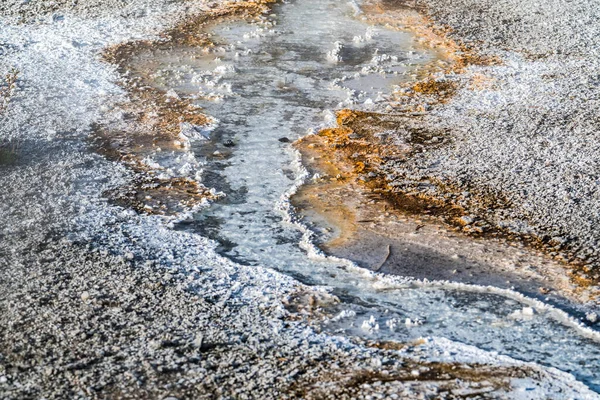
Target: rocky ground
520 134
97 301
37 10
78 323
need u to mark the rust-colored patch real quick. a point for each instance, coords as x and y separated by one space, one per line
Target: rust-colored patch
347 160
442 89
358 151
321 194
359 146
439 80
451 379
154 118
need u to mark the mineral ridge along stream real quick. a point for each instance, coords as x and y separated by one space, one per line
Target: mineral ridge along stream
271 82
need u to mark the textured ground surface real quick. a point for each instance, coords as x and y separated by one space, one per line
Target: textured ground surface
99 302
523 133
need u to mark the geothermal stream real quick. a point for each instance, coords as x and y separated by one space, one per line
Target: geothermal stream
267 86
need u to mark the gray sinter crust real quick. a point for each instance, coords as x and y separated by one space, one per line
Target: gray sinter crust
530 132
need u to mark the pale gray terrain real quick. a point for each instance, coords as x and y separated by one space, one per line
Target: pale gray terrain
97 301
530 135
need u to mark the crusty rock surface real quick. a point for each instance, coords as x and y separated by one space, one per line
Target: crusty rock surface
99 302
524 132
38 10
78 323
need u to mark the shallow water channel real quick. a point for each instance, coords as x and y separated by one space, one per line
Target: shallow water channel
271 83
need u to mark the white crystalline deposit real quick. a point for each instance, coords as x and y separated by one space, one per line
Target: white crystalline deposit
344 314
335 55
369 35
526 312
392 324
525 130
99 301
370 324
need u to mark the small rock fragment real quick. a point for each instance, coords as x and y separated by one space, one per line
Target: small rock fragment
591 317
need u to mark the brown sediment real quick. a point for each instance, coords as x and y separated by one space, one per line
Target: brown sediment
153 119
351 159
423 236
450 378
359 147
458 380
454 56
